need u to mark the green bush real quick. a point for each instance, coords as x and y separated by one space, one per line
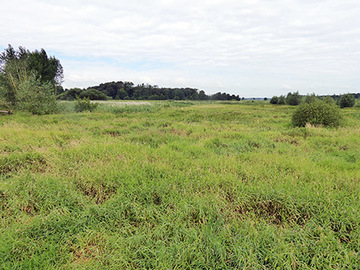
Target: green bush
274 100
93 94
310 98
281 100
318 113
36 97
85 105
329 100
346 100
357 103
293 99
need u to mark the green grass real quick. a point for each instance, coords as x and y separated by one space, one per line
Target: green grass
179 185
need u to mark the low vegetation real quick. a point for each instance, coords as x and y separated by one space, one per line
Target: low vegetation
178 185
317 112
84 104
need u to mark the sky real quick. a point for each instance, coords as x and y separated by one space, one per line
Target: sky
251 48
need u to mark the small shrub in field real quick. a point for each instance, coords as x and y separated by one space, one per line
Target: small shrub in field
317 113
85 105
347 100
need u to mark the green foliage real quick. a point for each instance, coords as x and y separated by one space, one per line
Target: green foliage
293 99
122 94
85 104
329 100
13 73
317 113
70 94
128 91
28 80
93 94
282 100
274 100
47 69
357 103
310 98
346 100
36 97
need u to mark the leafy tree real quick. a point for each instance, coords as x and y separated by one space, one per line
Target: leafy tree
310 98
293 99
274 100
12 74
202 95
329 100
36 97
70 94
93 94
357 103
47 69
281 100
26 78
122 94
85 104
346 100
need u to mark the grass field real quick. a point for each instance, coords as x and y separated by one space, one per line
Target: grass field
179 185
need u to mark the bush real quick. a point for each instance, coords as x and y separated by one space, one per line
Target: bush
357 103
70 94
281 100
329 100
310 98
293 99
85 105
318 113
93 94
36 97
347 100
274 100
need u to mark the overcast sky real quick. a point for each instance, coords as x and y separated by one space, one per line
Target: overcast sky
253 48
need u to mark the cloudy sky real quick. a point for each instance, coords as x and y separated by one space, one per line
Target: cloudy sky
253 48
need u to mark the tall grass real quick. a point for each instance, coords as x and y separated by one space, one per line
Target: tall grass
169 186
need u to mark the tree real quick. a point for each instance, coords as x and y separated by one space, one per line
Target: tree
281 100
47 69
202 95
317 113
329 100
122 94
293 99
93 94
310 98
26 77
346 100
274 100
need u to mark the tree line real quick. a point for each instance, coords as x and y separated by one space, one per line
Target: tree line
128 91
294 99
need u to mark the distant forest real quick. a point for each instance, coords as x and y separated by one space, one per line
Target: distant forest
128 91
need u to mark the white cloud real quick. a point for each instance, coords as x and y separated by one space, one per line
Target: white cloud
250 47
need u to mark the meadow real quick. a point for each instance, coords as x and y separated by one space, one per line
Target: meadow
179 185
